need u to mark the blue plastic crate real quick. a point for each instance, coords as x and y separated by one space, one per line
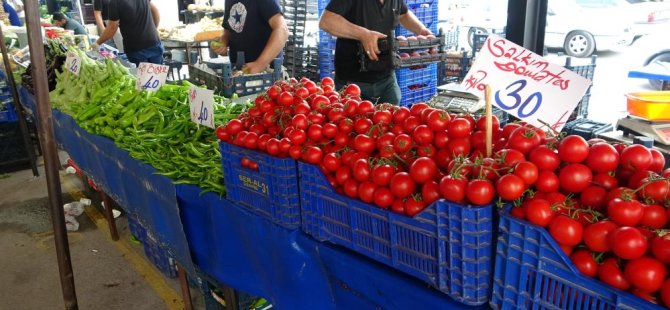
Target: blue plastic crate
8 114
270 191
586 129
401 31
531 271
157 255
449 246
417 84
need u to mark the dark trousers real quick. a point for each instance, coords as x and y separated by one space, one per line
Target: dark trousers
383 91
152 54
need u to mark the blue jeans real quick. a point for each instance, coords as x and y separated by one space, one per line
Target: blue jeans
152 54
385 90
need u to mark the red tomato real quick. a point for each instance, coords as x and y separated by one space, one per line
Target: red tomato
657 161
605 180
331 162
621 192
315 132
655 217
453 188
459 128
352 90
627 242
361 170
342 175
544 158
366 191
595 235
524 139
400 115
381 175
365 107
383 197
625 212
573 149
417 108
602 157
438 120
610 273
273 147
547 182
402 185
509 128
636 157
413 206
665 293
351 188
509 157
566 231
538 212
458 146
527 171
645 273
441 139
382 117
585 263
593 197
313 155
481 123
423 135
480 192
575 177
295 152
654 191
423 169
660 247
430 192
510 187
364 143
402 143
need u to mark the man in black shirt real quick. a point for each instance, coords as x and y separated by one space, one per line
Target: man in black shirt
138 20
256 27
101 14
367 21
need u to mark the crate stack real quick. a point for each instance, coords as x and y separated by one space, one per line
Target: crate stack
586 71
425 11
454 68
300 60
326 47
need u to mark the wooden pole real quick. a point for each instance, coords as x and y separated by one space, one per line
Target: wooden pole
489 122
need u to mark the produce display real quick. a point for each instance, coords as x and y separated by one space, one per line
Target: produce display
55 52
205 29
155 128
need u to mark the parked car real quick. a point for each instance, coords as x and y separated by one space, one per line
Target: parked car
648 16
570 27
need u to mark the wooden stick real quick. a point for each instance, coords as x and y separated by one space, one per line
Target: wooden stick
489 122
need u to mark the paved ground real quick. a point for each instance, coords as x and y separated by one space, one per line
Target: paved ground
108 274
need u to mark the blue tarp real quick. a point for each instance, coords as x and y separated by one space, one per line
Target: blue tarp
242 250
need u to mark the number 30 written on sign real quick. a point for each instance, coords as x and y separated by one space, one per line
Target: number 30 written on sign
517 101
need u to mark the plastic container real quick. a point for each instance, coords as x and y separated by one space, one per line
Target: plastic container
651 105
7 113
270 191
531 271
158 256
447 245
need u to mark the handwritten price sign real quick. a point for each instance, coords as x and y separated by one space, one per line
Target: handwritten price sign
202 106
73 63
524 84
150 77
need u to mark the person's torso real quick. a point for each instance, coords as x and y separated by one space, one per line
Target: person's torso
75 26
103 5
249 31
372 15
137 25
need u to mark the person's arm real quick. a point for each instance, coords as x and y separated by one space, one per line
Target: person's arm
109 32
98 20
272 48
223 49
338 26
155 14
411 23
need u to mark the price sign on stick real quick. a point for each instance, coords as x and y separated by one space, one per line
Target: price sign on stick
525 84
150 76
202 106
73 63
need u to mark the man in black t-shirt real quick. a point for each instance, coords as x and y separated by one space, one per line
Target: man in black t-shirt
256 27
367 21
138 20
101 14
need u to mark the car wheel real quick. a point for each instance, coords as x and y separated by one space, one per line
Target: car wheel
579 44
659 57
471 35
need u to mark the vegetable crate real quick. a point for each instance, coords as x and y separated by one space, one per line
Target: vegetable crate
426 13
7 112
450 246
158 256
226 84
271 191
454 68
587 71
417 84
587 129
531 271
326 54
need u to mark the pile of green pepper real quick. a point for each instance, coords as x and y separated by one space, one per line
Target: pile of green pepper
153 127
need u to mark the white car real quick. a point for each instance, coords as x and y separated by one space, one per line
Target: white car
578 31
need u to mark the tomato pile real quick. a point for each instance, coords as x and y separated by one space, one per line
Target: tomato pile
604 204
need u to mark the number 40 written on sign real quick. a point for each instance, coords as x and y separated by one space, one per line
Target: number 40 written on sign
203 116
151 83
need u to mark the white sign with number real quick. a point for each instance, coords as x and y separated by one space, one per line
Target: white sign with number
202 106
73 63
525 84
151 77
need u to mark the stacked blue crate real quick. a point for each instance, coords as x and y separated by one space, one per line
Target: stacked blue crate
417 84
425 11
7 113
326 47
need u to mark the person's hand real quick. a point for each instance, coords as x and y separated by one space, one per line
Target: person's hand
95 47
369 42
221 49
424 32
253 67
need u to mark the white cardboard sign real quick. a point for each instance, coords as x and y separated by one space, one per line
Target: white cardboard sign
150 77
201 102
